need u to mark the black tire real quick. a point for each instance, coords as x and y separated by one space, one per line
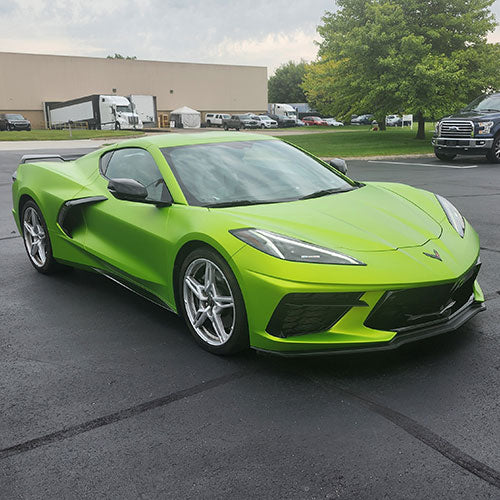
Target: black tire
226 127
237 129
238 339
493 155
50 265
444 156
117 126
262 126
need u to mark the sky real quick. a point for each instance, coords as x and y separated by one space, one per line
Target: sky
250 32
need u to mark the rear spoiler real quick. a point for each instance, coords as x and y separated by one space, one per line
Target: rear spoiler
31 158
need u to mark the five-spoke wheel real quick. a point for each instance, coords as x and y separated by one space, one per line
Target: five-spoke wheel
36 239
212 303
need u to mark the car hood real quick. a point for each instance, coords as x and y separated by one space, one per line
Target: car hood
371 218
473 115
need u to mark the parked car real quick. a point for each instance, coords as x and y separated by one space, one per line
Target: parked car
265 121
11 121
299 123
282 120
240 121
393 121
363 119
253 242
314 120
332 122
216 118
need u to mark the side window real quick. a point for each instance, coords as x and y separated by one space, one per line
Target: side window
137 164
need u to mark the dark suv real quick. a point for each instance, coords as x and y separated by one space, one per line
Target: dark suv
475 130
11 121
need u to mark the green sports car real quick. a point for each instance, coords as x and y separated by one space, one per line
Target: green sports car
254 242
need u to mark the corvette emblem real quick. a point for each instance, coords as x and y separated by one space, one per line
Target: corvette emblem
434 255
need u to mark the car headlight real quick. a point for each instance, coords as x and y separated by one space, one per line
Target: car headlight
286 248
484 127
454 216
436 128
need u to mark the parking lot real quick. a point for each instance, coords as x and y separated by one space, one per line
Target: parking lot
102 394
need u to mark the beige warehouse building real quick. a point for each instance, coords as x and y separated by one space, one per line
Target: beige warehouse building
29 80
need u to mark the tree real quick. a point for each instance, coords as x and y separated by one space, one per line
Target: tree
119 56
426 57
285 84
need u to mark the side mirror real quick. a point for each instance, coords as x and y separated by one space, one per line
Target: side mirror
127 189
339 164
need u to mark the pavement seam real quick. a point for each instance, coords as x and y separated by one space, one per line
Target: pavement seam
422 433
496 250
10 237
119 415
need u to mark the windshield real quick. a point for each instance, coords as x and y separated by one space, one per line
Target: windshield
14 117
291 114
484 103
124 109
249 172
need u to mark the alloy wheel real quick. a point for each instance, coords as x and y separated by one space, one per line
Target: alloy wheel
34 237
209 302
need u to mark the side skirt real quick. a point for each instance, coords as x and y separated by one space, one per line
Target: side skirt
133 287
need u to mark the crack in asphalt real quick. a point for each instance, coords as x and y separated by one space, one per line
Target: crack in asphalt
496 250
10 237
422 433
472 195
120 415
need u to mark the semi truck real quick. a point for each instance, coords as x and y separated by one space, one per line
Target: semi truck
282 110
103 112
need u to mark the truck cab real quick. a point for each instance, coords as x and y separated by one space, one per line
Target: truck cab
475 130
117 112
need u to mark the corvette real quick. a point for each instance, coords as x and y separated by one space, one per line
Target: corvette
254 242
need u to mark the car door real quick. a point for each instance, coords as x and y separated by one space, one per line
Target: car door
129 238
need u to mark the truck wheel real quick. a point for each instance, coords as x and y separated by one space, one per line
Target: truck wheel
493 155
444 156
117 126
226 127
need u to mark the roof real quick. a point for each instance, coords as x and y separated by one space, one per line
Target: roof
185 110
182 139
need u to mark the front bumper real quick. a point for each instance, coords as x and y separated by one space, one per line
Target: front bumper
354 292
454 322
461 143
18 126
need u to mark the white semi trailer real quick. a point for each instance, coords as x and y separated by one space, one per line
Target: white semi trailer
145 107
104 112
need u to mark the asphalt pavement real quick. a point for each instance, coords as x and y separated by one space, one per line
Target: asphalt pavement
104 395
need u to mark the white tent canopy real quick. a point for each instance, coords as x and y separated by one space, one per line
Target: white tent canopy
186 117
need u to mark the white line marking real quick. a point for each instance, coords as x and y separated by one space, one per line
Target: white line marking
421 164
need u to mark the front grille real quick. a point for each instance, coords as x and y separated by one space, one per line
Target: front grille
412 308
456 128
133 120
302 313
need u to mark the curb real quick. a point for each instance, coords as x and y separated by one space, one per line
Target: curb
386 157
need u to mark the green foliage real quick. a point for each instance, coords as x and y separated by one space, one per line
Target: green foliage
285 84
426 57
119 56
